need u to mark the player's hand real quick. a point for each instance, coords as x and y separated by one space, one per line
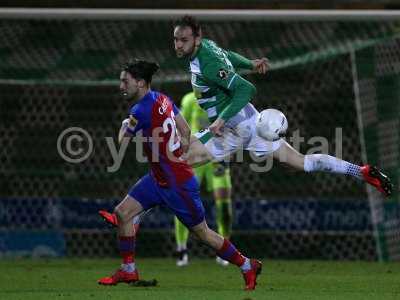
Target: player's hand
129 123
261 66
125 123
216 128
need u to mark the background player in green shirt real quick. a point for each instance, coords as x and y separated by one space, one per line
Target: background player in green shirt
226 96
217 178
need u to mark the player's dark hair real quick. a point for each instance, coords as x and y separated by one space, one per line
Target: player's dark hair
189 21
141 69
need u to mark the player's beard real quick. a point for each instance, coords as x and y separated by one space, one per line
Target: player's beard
187 54
128 95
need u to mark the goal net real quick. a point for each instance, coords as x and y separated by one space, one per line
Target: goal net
337 80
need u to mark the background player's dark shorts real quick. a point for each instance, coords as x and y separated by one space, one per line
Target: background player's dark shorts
184 200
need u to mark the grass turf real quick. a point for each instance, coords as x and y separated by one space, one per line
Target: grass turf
27 279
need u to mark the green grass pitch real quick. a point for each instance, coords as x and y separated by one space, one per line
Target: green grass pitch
70 279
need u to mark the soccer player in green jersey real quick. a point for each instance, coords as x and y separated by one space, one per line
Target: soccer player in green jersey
217 178
225 96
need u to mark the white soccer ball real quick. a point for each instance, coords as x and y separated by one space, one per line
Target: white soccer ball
271 124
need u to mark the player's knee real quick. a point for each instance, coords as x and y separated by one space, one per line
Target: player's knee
201 232
299 161
122 216
289 156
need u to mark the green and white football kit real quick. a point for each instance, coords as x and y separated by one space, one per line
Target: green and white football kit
223 93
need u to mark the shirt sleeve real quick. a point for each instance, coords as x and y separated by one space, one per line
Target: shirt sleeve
219 74
138 120
175 109
239 61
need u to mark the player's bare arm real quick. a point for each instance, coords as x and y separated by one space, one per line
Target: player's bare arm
194 151
185 132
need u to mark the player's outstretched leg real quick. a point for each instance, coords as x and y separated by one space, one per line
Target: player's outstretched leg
124 213
327 163
250 268
181 237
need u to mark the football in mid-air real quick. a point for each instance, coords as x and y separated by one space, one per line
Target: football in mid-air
271 124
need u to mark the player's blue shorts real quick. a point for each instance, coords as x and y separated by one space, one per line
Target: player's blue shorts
184 200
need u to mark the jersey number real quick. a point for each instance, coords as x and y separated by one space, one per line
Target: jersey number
169 124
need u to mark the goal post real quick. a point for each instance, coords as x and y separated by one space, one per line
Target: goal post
377 92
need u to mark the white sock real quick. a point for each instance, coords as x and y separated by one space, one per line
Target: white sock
330 164
128 267
181 247
246 265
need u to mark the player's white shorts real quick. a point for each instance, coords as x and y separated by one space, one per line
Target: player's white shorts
239 133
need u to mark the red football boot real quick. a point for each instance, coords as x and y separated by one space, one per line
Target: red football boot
109 217
376 178
250 277
119 276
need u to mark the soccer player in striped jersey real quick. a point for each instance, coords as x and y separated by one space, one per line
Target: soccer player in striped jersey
171 181
225 96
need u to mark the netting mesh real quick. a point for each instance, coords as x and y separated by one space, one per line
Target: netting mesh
380 110
94 50
99 111
59 74
314 92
